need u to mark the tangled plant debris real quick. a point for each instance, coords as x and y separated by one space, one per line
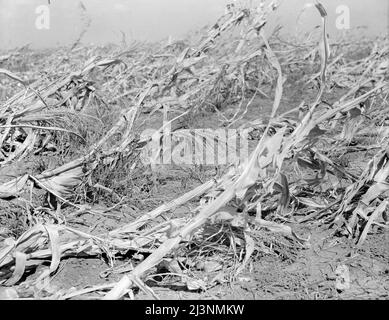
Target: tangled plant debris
67 135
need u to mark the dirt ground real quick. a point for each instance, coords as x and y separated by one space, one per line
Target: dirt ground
280 270
311 275
307 273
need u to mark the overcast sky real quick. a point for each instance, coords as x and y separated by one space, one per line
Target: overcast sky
156 19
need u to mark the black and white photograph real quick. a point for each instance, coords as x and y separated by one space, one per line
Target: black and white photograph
213 152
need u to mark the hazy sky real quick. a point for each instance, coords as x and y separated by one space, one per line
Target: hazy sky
156 19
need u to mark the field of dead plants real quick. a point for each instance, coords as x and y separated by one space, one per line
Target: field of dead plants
305 217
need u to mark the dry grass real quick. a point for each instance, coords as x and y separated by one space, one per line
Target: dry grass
75 128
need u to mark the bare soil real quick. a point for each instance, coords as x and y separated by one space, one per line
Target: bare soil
292 274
